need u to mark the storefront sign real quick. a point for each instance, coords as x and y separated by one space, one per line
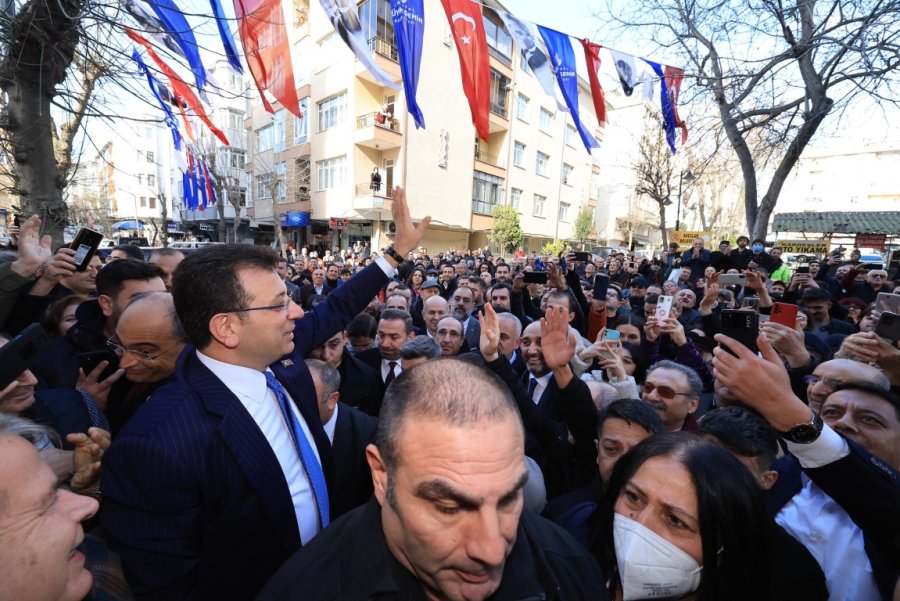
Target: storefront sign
806 247
686 239
870 241
337 223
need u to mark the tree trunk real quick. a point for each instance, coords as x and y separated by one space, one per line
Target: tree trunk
276 219
41 46
662 225
165 220
222 227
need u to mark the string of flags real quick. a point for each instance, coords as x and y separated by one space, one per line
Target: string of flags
548 53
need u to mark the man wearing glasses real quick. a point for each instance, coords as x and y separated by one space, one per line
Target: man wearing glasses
674 391
223 473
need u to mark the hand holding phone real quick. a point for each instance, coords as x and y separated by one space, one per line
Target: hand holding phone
785 314
85 244
664 308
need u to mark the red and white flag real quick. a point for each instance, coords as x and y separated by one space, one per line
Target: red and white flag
471 44
592 58
674 76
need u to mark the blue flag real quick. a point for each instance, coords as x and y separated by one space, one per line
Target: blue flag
666 104
409 29
177 26
225 34
186 200
563 58
154 87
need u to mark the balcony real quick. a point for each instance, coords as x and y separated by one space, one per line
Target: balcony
489 163
499 117
379 136
371 204
384 54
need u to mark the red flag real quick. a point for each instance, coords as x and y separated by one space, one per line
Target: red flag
674 77
268 52
471 45
180 90
592 57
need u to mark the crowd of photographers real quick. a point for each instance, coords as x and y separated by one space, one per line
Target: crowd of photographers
705 424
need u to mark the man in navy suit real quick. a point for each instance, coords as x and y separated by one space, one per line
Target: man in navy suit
221 475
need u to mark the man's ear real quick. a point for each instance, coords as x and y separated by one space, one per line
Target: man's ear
767 479
222 327
379 472
106 305
333 399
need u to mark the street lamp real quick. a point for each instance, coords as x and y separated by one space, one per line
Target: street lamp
686 176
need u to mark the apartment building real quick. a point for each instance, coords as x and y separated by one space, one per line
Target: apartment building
318 169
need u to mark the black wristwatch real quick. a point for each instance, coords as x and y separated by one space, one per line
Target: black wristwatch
805 433
392 253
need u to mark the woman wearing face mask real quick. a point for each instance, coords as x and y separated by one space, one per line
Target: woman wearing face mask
682 519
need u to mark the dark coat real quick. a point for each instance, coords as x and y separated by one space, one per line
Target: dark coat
350 561
353 432
361 385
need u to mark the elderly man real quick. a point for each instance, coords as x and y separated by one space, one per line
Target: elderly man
674 391
434 309
40 526
417 351
462 304
316 287
450 336
829 375
447 520
225 474
876 281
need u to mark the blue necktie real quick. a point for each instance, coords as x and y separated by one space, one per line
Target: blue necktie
98 419
532 384
304 450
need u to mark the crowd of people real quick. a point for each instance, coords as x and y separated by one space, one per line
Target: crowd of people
233 424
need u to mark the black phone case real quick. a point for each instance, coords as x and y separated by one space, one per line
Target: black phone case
743 326
17 355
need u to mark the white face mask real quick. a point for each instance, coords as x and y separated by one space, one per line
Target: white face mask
650 567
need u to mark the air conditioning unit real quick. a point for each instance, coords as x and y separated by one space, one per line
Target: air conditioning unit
392 227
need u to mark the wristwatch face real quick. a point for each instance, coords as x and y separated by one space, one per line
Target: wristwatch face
803 434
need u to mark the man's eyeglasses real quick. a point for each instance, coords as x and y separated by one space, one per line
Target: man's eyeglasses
827 382
664 392
280 307
121 351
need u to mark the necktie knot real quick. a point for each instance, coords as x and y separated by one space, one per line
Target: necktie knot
391 374
532 385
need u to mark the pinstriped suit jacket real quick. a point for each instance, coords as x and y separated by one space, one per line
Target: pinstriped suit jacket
195 501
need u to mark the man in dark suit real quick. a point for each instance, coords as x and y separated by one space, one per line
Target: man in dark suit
394 328
221 475
360 385
317 287
350 432
462 304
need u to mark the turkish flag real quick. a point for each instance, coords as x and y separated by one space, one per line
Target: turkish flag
268 51
467 26
592 57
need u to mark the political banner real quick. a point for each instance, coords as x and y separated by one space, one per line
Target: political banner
409 32
685 239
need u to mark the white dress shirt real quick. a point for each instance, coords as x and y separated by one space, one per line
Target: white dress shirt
542 384
386 368
249 386
331 423
825 529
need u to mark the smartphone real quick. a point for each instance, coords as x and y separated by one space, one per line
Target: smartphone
733 279
873 266
750 302
17 355
89 362
785 314
611 336
535 277
802 270
743 326
887 302
632 265
601 286
889 327
674 275
85 244
664 307
581 256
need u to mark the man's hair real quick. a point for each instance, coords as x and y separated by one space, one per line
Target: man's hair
132 251
504 316
559 295
631 411
397 314
695 384
440 390
744 432
872 388
166 252
162 298
282 260
420 346
362 325
328 376
111 279
13 425
206 283
394 294
501 286
478 282
401 287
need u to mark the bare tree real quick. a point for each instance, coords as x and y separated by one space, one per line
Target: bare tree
654 171
635 220
775 72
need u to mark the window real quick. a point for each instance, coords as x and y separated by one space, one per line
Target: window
498 39
546 120
487 191
149 156
140 179
571 135
301 126
151 180
563 211
522 107
515 198
537 209
235 119
152 202
541 166
331 172
331 112
281 180
278 130
263 186
378 27
567 174
235 159
143 202
264 138
519 155
500 85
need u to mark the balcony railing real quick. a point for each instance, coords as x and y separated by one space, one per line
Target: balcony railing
383 47
499 109
365 189
499 56
377 120
486 157
483 207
